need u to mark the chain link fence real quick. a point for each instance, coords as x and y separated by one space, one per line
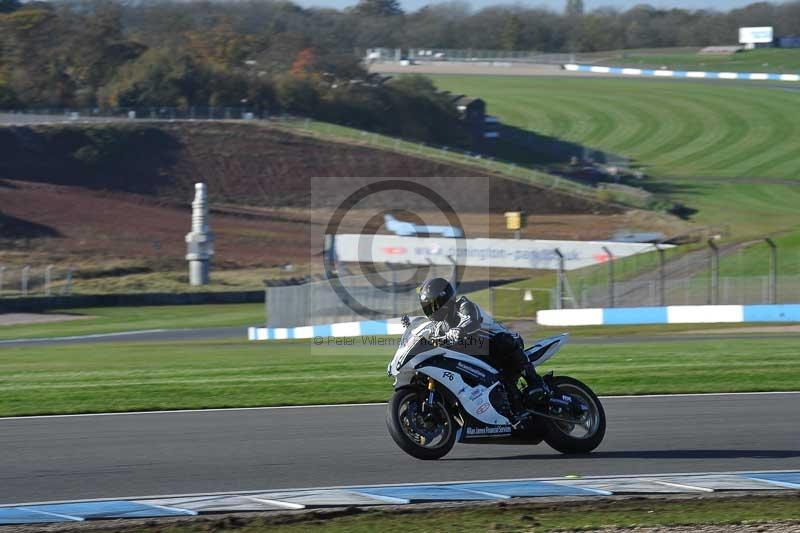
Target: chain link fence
48 280
472 55
375 294
691 291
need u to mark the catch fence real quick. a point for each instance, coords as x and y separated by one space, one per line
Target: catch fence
27 280
374 294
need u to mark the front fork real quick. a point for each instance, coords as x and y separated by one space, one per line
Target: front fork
428 404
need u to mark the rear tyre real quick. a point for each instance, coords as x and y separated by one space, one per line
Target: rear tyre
582 437
426 437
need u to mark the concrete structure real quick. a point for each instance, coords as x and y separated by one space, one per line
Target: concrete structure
199 241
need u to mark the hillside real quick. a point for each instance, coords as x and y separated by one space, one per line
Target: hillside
245 164
726 150
113 200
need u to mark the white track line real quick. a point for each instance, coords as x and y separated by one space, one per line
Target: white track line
358 488
372 404
87 337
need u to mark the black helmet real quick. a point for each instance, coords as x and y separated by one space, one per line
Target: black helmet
436 298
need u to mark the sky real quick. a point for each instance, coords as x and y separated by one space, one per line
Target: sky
557 5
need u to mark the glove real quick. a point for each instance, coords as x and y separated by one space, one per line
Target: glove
405 321
453 335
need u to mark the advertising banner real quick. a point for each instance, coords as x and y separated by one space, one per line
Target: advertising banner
480 252
760 35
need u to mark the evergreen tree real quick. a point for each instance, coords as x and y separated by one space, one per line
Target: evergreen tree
574 8
379 8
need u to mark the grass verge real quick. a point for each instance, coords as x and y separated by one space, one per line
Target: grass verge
760 60
118 319
168 375
531 517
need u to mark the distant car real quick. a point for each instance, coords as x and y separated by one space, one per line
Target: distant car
409 229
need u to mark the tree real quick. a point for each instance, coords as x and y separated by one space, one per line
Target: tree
7 6
574 8
378 8
303 63
512 33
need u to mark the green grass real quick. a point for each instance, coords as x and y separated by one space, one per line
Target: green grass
763 60
169 375
672 128
538 517
117 319
727 151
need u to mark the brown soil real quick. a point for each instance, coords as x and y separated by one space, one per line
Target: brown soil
111 193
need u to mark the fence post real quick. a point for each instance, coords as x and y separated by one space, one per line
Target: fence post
662 276
67 288
2 270
24 281
714 266
394 291
48 277
773 270
560 280
610 276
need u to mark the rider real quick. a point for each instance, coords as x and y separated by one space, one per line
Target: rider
465 323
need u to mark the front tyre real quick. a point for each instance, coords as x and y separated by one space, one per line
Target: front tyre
589 428
425 435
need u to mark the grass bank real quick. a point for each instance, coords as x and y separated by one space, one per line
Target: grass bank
763 60
118 319
167 375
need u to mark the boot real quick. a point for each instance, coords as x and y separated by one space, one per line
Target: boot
536 392
517 414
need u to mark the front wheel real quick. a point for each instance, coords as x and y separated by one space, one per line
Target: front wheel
427 434
589 426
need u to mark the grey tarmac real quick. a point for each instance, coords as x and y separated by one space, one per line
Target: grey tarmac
108 456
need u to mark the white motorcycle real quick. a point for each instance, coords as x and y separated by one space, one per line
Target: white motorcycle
443 396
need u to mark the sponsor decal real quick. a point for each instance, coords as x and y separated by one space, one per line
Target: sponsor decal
482 408
470 370
475 394
490 431
448 375
394 250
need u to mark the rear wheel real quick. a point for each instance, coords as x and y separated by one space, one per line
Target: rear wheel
587 426
425 435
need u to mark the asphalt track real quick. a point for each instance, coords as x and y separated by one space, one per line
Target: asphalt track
102 456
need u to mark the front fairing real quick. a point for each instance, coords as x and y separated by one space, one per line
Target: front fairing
413 341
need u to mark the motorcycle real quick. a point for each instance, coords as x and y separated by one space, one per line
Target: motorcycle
443 396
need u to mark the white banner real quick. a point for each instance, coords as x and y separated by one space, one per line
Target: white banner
760 35
481 252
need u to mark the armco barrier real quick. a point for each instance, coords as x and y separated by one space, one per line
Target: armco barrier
674 314
624 71
341 329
